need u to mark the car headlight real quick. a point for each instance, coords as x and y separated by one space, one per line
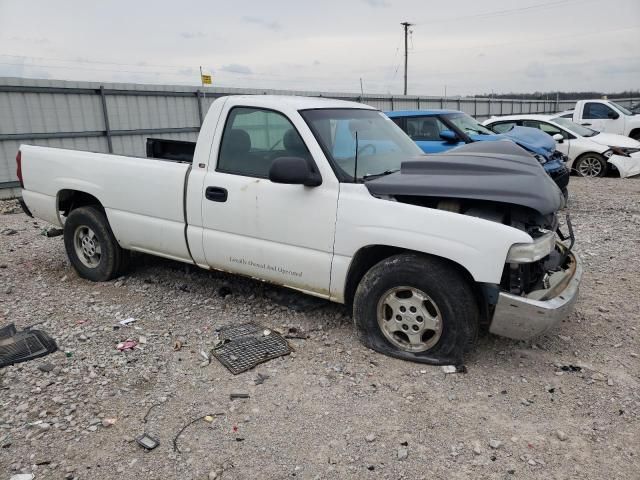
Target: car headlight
617 151
534 251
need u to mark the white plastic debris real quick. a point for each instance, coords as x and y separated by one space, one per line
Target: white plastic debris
449 369
127 321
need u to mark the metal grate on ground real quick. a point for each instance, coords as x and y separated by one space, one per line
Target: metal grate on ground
242 347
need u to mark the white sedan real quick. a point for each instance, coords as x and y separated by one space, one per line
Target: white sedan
588 151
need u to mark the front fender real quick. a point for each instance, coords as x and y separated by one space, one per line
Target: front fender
479 246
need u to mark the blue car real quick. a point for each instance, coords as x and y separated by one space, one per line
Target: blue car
436 131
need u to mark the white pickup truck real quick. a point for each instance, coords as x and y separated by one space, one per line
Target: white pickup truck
605 116
330 198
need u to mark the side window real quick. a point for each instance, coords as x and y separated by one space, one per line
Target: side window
253 138
425 128
596 111
545 127
502 127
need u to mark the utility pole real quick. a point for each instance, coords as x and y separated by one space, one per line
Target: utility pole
406 26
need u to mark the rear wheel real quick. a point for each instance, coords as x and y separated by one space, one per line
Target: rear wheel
591 165
416 308
91 246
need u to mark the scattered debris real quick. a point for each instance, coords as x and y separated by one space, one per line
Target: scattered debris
370 438
127 321
260 378
127 345
570 368
242 347
147 442
18 347
403 453
177 346
561 435
296 333
454 369
495 444
8 231
22 476
108 422
52 232
235 395
176 448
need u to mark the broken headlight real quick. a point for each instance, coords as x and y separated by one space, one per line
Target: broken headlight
534 251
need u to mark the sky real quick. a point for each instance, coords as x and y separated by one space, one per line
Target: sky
465 47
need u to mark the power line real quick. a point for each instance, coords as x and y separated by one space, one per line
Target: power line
504 12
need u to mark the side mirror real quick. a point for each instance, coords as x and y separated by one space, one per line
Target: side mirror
294 171
613 115
558 138
448 136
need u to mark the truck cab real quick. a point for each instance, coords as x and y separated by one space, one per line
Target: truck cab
607 116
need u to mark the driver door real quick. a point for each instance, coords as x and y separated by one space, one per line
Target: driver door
276 232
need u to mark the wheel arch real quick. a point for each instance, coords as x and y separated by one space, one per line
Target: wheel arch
635 134
370 255
70 199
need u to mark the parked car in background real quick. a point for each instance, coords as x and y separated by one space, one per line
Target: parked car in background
588 151
635 109
422 250
605 116
436 131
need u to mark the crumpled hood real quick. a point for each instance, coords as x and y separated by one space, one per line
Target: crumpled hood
493 171
531 139
614 140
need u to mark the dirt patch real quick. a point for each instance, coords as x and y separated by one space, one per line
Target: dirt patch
563 406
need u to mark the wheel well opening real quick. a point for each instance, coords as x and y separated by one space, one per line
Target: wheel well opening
369 256
69 200
635 133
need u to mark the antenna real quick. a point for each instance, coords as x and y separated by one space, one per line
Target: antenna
355 161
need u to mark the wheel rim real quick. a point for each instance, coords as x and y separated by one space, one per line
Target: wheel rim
409 319
87 246
590 167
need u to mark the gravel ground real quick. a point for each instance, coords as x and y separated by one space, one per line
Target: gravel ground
332 409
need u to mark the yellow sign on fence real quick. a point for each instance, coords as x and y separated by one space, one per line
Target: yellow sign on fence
206 79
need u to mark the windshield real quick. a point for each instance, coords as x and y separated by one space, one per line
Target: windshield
381 145
621 108
574 127
467 124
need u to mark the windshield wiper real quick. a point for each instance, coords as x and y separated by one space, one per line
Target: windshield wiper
381 174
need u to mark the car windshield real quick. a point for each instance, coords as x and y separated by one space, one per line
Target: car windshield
467 124
344 134
574 127
621 108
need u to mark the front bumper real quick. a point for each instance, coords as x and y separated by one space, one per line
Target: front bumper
522 318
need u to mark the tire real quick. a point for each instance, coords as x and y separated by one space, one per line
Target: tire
91 246
591 165
419 284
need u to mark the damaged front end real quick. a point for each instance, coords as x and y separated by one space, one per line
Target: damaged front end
538 288
502 183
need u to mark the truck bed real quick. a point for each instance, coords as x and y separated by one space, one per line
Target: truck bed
143 198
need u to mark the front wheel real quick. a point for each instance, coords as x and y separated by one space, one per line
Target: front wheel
591 165
416 308
91 247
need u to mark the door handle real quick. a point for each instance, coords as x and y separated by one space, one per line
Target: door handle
586 124
216 194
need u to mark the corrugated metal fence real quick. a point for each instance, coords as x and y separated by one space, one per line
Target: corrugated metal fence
117 118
